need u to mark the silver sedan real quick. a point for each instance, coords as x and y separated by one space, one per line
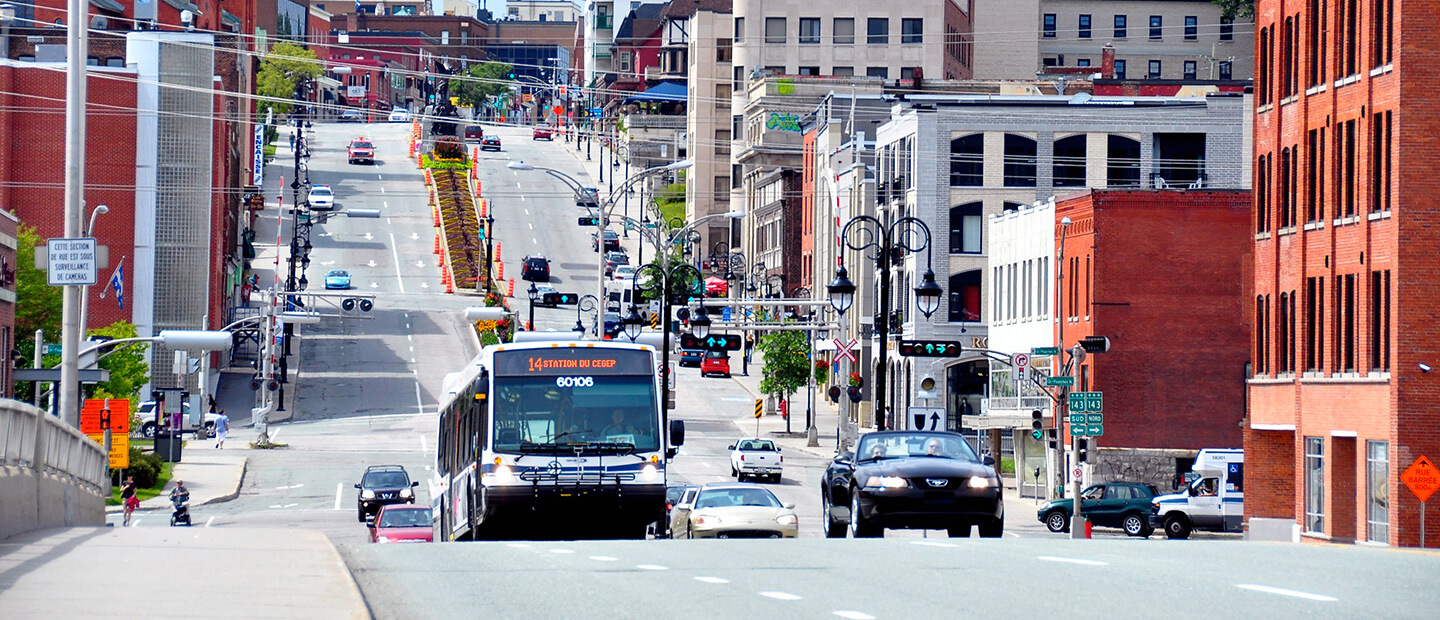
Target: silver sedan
734 510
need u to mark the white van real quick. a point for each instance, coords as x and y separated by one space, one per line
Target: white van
1214 499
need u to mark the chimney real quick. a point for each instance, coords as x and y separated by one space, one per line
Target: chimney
1107 62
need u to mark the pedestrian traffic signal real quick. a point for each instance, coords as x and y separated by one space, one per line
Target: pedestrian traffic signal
560 299
929 348
1082 450
713 342
1036 425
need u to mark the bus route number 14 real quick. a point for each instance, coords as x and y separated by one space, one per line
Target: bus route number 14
574 382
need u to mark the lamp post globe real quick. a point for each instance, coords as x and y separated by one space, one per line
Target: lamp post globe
700 324
633 324
842 291
927 295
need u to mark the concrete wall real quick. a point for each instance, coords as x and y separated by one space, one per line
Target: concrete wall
53 478
1154 466
29 501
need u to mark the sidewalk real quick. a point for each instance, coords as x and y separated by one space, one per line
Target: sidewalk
772 426
211 475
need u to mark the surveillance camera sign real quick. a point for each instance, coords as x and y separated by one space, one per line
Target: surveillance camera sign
72 262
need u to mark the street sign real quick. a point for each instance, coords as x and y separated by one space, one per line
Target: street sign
926 418
713 342
725 313
93 420
1044 351
1020 361
846 350
257 162
1094 430
54 349
1094 418
1060 381
1077 418
1078 474
759 408
1077 430
72 261
929 348
1422 478
1089 402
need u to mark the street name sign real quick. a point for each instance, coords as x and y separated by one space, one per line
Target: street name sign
1060 381
1044 351
72 261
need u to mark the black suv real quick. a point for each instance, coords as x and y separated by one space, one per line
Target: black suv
383 485
535 269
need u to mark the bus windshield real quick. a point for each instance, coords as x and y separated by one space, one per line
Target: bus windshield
545 414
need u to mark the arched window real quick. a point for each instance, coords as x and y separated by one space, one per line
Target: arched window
965 228
965 297
1020 161
1123 162
967 161
1070 161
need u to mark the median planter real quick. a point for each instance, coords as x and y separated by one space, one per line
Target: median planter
460 225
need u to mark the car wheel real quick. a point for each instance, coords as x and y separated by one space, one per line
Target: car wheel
148 430
833 528
992 529
959 531
1134 524
209 430
1177 527
1056 521
859 528
360 513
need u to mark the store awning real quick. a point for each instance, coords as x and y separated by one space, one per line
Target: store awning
664 91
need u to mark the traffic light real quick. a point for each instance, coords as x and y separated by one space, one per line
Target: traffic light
1082 449
929 348
1095 344
1053 435
1036 425
713 342
589 221
512 76
560 299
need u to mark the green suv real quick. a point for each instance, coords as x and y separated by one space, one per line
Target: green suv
1125 505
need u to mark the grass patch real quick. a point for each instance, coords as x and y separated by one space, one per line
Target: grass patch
144 494
672 210
1007 465
269 151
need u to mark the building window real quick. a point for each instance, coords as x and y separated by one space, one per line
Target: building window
1262 193
1189 72
907 73
1315 324
965 297
1157 27
1154 72
842 71
739 29
1180 158
1289 77
1380 160
1192 27
1226 70
1282 333
1377 483
1345 323
1020 161
877 72
774 30
1314 175
1383 33
877 31
739 81
1287 206
1315 484
809 29
724 50
720 191
624 62
1070 155
1347 61
844 31
1122 167
1049 25
722 95
965 228
1262 69
1262 335
1084 27
1380 320
1227 29
809 70
1120 26
1317 35
1119 69
1346 137
967 161
912 30
1083 62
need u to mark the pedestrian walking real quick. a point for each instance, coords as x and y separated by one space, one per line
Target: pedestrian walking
292 140
749 347
127 497
222 428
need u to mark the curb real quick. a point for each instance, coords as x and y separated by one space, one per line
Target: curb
743 422
244 467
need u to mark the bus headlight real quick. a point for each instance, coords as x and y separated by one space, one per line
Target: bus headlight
501 475
649 473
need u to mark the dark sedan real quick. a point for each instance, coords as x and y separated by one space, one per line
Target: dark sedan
908 479
692 357
490 143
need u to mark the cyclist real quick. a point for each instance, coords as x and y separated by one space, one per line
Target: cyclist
128 497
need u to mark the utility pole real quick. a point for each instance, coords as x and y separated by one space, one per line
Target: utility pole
77 50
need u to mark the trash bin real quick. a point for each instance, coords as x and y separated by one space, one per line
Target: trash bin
167 447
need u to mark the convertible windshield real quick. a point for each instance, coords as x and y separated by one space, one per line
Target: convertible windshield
880 446
538 414
720 498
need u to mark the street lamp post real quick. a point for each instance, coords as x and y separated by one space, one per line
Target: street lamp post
533 294
889 243
581 307
85 290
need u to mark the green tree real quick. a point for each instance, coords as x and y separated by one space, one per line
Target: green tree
281 70
787 362
490 80
37 304
1233 9
128 370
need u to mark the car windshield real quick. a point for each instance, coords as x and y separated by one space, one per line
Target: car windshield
759 445
385 480
717 355
320 191
535 414
405 517
360 145
906 445
338 274
721 498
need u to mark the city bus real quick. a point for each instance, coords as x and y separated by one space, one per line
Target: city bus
554 439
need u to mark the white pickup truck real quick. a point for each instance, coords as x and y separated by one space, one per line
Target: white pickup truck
756 458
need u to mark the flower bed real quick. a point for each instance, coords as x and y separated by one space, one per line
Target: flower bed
460 225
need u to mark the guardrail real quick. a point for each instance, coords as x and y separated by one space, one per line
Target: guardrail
17 437
63 450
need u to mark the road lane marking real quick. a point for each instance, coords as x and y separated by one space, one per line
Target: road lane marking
378 177
1012 534
134 522
409 338
708 464
382 189
1284 592
602 558
703 579
399 279
419 404
1051 558
412 360
853 615
781 596
562 551
274 434
650 567
531 225
292 486
930 543
209 521
527 212
423 449
534 241
339 488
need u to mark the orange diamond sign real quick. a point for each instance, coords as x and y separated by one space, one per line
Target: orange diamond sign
1422 478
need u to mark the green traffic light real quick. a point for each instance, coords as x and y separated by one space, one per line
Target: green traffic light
1037 435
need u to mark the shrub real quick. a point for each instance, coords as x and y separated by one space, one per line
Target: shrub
145 470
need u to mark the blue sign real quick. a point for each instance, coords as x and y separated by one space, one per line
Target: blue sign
597 111
725 314
259 161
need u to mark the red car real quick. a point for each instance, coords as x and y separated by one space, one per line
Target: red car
402 523
361 150
715 362
542 132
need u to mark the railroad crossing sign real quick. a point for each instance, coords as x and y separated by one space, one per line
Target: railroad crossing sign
844 349
1422 478
1087 402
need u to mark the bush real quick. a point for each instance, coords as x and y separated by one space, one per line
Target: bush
146 471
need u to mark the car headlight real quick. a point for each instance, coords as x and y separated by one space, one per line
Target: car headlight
405 494
367 494
887 482
382 539
649 473
979 482
786 519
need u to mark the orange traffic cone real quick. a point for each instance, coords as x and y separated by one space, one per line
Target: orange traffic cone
497 251
477 188
500 267
436 212
437 245
475 153
449 287
484 208
511 291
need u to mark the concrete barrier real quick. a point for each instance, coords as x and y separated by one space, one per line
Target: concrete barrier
51 474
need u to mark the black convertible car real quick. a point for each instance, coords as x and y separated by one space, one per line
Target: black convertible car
910 479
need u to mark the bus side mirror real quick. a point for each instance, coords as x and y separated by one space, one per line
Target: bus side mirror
677 432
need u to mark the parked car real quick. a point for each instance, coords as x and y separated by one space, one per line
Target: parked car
750 458
146 414
692 357
350 116
361 151
474 133
542 132
1125 505
382 485
399 115
588 197
623 272
612 241
734 510
490 143
402 523
321 198
541 290
337 279
715 363
535 268
911 479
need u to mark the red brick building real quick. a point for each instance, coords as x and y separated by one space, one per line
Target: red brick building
9 244
1163 274
1345 249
